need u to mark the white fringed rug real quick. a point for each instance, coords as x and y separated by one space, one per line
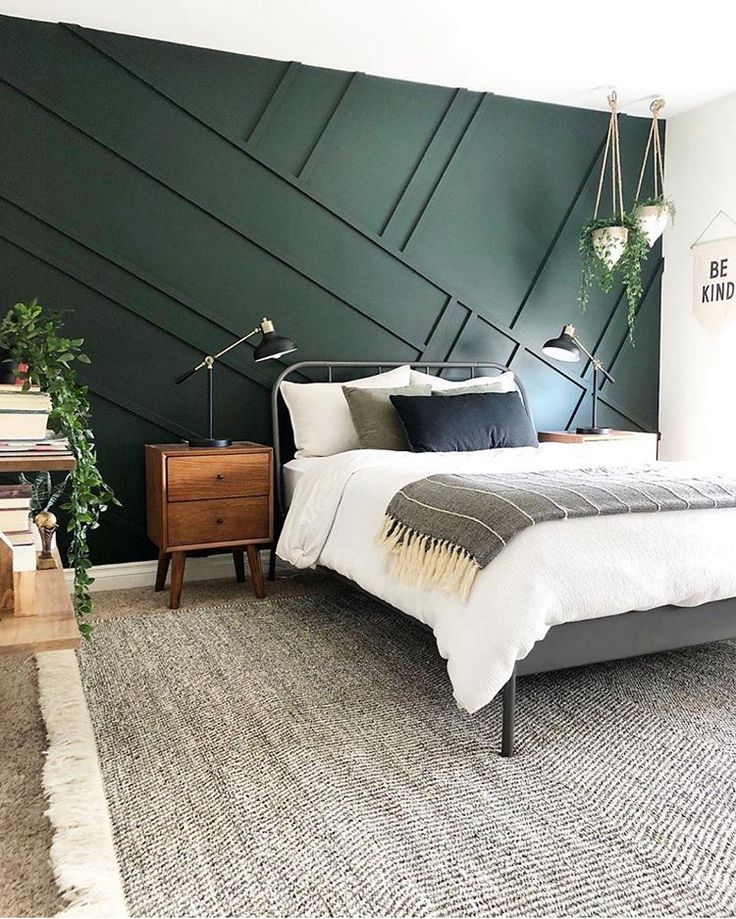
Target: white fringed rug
303 756
82 854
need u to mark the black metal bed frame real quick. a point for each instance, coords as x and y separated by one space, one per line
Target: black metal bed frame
572 644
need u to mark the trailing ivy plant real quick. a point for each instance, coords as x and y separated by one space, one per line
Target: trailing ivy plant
33 335
596 266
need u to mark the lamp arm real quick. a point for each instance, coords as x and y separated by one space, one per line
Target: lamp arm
596 361
189 373
238 342
212 358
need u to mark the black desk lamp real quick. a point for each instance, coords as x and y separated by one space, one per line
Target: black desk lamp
567 348
271 347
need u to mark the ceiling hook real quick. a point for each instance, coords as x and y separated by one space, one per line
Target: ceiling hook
656 107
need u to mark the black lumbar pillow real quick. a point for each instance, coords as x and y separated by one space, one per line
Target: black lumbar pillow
471 421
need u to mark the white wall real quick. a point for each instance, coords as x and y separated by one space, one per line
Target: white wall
571 53
698 369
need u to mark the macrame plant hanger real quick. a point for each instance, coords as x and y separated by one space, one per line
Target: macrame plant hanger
609 242
653 218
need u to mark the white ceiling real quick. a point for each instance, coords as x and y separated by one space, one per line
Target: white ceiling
570 52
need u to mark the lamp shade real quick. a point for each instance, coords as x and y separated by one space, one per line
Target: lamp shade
563 348
272 345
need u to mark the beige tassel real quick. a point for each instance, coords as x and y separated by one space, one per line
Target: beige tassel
420 559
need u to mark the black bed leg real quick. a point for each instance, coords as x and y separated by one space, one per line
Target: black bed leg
509 706
272 564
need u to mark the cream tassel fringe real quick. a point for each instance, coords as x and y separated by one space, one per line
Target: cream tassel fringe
82 852
423 561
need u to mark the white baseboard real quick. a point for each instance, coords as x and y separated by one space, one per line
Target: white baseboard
143 574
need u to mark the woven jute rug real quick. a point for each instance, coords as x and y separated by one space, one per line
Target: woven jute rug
304 756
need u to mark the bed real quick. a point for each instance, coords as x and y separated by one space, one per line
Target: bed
556 597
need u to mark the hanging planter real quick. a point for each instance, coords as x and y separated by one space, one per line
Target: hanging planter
654 218
656 213
616 245
609 242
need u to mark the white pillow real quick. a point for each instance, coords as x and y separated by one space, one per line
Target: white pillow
502 382
320 417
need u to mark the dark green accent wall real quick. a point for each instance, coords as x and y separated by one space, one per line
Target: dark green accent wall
171 196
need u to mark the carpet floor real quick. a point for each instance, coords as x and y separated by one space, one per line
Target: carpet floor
27 886
302 755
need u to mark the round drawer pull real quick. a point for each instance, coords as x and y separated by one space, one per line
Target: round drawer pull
220 476
219 520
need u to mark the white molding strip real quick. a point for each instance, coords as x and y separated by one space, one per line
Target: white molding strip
143 574
82 850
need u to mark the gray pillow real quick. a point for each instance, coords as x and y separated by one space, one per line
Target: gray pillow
376 420
464 390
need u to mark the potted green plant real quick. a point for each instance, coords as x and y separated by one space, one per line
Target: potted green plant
655 215
33 337
609 236
610 247
45 493
614 245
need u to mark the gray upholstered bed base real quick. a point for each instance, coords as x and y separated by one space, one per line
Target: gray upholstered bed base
609 638
592 641
572 644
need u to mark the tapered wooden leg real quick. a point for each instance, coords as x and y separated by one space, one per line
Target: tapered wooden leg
239 562
163 569
178 560
254 561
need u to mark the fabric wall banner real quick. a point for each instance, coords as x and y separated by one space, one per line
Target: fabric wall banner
714 282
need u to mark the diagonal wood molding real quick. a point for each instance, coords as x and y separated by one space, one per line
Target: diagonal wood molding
412 222
170 186
507 330
298 182
53 258
438 156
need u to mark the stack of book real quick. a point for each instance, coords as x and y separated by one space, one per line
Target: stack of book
16 526
23 415
48 446
23 418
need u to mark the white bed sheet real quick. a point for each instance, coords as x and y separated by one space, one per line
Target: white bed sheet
554 572
294 470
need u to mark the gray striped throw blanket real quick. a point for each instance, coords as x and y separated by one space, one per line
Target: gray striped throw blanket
443 529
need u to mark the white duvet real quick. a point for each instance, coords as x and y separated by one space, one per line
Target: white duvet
554 572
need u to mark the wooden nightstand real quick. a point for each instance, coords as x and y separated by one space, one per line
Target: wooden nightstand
624 447
199 499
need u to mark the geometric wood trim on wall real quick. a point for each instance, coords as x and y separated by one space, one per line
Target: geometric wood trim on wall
170 196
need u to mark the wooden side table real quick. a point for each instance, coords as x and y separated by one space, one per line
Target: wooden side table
207 498
625 447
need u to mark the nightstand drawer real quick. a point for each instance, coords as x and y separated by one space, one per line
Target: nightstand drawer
193 478
223 520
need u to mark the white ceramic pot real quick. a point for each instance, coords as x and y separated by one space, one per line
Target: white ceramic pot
609 243
653 221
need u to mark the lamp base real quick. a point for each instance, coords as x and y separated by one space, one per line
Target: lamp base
593 430
210 442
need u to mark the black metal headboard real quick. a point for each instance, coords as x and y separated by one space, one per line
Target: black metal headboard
378 367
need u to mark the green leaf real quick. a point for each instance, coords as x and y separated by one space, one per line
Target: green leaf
34 335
